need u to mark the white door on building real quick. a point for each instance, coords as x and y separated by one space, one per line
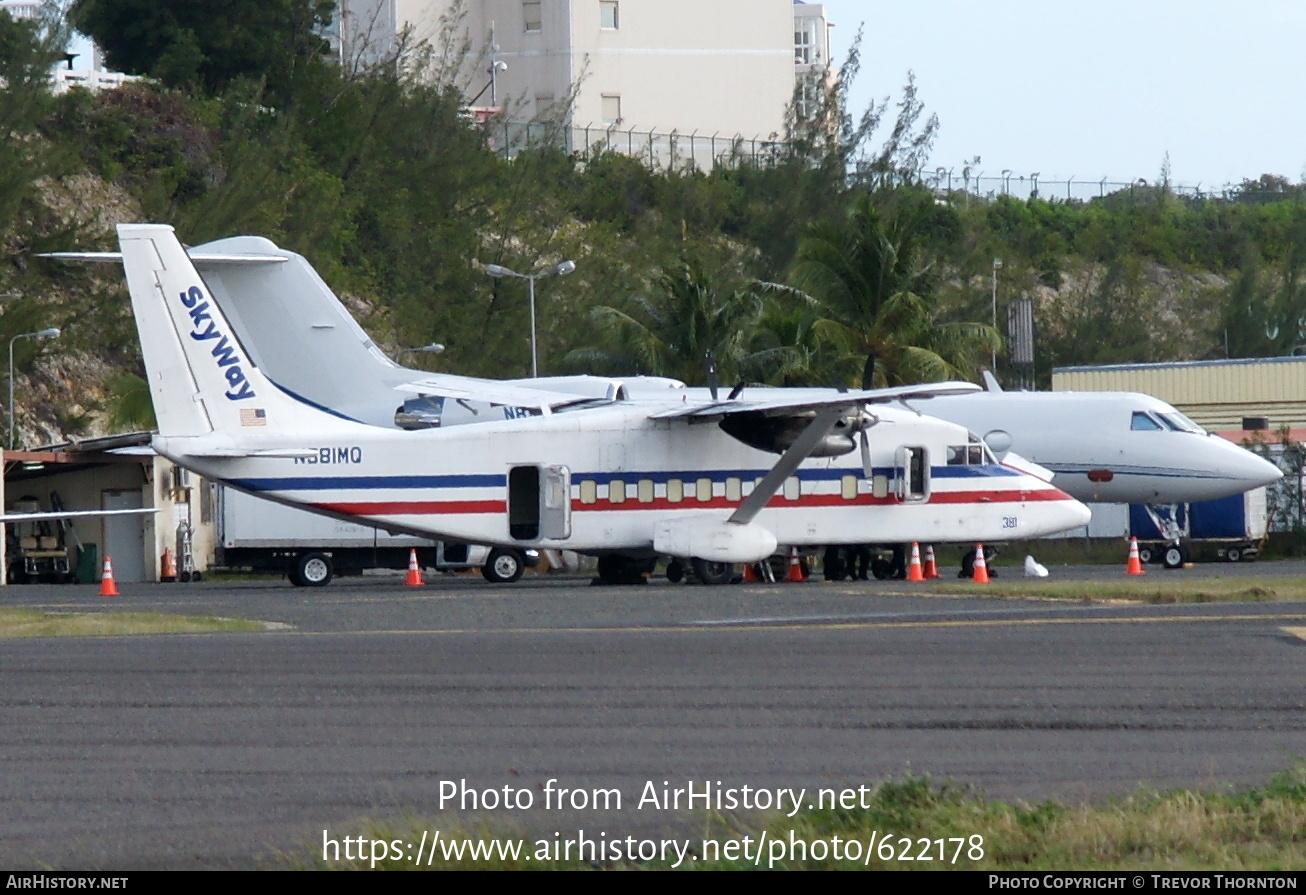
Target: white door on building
124 536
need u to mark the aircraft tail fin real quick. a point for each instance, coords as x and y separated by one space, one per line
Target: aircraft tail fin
201 378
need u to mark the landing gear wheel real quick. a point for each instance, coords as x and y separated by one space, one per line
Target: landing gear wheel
312 570
184 577
675 571
708 572
196 576
1174 557
503 566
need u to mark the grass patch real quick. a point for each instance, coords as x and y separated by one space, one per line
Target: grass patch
1263 828
32 623
1143 590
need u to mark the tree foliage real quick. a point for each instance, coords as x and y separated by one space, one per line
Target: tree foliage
209 44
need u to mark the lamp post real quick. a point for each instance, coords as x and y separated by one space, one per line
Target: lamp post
51 333
997 264
562 268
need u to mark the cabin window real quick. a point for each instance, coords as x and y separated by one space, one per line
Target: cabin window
849 487
645 490
616 491
675 490
793 488
880 486
734 489
589 491
704 490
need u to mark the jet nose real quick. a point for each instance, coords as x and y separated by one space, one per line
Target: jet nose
1246 468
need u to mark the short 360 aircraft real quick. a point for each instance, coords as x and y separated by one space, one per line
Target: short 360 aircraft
628 480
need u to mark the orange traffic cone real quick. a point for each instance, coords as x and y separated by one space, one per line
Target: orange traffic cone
931 568
1135 565
795 567
914 572
107 586
981 575
169 571
750 573
414 573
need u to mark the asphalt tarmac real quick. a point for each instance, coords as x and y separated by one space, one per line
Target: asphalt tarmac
368 699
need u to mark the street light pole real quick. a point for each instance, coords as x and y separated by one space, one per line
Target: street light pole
51 333
562 268
997 263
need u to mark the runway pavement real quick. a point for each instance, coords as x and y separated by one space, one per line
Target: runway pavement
369 699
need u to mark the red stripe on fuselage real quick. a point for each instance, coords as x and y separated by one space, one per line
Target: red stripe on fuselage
484 507
417 507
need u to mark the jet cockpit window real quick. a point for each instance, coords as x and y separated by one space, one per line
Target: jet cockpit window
1180 423
1145 422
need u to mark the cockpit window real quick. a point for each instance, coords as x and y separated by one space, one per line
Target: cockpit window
1145 422
1180 423
975 453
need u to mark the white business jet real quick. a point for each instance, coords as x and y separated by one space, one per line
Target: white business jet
625 479
1110 447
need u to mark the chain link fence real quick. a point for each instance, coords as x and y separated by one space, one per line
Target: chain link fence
664 151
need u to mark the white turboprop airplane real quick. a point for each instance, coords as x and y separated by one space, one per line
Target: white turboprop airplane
625 479
1109 447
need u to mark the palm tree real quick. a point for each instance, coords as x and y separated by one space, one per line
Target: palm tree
670 330
869 275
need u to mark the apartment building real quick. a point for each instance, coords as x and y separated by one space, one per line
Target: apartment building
705 67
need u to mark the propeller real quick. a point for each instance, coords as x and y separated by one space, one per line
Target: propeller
868 373
734 392
713 381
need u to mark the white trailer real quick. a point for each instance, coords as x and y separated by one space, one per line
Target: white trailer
310 549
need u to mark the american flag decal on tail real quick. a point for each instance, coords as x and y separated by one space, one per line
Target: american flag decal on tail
253 416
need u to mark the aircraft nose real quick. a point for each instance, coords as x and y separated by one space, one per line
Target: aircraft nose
1077 514
1246 467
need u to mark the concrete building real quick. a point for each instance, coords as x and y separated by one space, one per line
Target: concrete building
726 67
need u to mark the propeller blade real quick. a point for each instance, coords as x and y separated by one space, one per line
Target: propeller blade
864 440
713 381
734 392
868 373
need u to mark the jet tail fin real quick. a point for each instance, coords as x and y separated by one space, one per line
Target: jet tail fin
990 381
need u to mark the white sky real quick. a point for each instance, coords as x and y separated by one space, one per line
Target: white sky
1095 89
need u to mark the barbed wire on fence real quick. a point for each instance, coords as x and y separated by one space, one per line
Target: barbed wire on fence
705 152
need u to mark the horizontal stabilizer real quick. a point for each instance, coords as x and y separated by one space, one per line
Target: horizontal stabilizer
201 258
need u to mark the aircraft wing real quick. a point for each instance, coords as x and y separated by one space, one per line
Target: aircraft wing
70 514
491 391
776 403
